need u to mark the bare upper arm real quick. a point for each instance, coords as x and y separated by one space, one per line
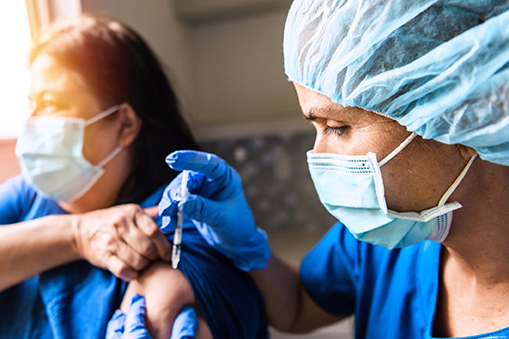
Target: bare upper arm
167 292
312 316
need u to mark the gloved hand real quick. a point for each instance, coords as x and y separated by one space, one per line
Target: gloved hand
185 325
218 208
130 326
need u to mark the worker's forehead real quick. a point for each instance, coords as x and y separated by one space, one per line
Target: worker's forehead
317 105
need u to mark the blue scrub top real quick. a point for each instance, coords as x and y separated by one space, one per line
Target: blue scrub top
392 293
71 301
77 300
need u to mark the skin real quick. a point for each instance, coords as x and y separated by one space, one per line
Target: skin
474 271
123 239
164 303
60 93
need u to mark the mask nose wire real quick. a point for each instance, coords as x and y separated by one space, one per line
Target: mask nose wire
398 149
101 115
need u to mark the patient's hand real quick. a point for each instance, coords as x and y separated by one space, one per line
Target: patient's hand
167 292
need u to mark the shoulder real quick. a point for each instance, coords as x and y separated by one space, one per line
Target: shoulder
340 249
341 268
329 272
15 186
15 195
20 202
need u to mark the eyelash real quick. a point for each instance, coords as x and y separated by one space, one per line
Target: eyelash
338 131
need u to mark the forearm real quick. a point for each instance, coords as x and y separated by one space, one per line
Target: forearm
281 289
289 307
29 248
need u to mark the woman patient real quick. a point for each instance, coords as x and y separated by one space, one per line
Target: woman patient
104 117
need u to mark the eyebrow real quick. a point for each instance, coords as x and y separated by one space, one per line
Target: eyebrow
310 114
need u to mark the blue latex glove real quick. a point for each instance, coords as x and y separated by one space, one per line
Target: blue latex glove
218 208
130 326
185 325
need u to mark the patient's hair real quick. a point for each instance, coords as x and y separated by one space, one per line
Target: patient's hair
118 66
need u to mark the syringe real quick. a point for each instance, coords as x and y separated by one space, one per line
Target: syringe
177 239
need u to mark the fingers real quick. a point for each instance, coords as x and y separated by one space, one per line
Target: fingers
135 318
185 325
137 242
123 239
145 223
168 206
202 209
119 268
168 203
151 211
168 224
130 255
115 327
209 164
131 325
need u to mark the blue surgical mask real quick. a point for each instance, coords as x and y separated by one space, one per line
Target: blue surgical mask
351 189
50 153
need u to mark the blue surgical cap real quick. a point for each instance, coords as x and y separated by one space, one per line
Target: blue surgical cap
440 68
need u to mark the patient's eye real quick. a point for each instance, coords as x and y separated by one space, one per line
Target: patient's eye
47 106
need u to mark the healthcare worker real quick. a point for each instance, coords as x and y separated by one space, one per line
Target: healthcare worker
410 104
104 117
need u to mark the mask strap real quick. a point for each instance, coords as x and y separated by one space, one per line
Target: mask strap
398 149
110 156
456 182
102 115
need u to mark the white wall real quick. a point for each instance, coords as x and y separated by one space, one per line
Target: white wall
227 70
156 21
238 69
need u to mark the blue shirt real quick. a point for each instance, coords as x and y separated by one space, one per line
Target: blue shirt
392 293
77 300
71 301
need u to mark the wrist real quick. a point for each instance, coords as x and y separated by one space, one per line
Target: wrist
73 238
255 254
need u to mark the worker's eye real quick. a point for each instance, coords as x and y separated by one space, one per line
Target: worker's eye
335 130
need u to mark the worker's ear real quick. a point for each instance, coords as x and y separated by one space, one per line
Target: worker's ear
130 124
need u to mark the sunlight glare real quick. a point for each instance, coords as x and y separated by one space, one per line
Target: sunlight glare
14 74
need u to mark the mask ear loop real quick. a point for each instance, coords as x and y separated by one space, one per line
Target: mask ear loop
110 156
101 115
98 117
456 182
398 149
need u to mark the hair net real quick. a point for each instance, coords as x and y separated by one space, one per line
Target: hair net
440 68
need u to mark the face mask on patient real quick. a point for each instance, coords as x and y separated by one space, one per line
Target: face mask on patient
351 189
50 153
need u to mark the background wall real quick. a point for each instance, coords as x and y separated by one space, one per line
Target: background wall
224 57
157 22
8 162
